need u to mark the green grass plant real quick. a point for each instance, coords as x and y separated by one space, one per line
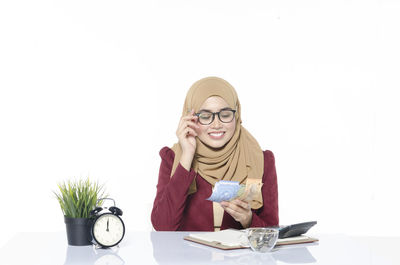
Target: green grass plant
78 198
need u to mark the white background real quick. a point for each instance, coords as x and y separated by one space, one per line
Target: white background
96 88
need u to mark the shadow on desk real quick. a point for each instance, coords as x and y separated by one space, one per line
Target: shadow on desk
178 251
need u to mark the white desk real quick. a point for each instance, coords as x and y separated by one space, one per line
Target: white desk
170 248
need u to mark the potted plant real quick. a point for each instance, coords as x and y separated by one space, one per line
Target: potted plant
77 199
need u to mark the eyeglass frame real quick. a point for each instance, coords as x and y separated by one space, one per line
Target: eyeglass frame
213 116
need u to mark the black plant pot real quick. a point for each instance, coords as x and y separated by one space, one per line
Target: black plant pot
78 231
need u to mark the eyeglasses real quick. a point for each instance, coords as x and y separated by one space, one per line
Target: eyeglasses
207 117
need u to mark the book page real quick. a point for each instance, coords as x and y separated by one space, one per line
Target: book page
293 239
229 237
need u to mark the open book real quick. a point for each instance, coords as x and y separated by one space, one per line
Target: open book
235 239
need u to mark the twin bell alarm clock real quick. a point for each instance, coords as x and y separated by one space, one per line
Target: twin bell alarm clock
107 228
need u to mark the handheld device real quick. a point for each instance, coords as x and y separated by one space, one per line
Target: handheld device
295 229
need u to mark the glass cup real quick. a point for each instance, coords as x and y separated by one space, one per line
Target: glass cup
262 239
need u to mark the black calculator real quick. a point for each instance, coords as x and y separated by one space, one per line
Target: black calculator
295 229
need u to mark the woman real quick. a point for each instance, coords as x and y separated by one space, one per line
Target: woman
213 146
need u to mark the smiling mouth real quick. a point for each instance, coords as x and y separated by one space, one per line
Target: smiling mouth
216 135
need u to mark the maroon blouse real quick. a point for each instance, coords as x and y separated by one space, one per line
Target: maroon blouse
174 210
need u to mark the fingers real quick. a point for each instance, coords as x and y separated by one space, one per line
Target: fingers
187 125
186 129
233 213
190 124
190 116
243 204
237 205
239 210
187 132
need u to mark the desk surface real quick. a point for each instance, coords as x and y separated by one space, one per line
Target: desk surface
170 248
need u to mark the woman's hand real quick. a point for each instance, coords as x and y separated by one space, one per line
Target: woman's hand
186 134
239 210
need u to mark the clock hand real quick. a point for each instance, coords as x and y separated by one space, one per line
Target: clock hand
107 225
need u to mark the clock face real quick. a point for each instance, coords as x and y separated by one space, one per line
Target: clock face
108 230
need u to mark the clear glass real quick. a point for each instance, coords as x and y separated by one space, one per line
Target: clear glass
262 239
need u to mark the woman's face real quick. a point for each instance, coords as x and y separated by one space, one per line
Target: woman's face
218 133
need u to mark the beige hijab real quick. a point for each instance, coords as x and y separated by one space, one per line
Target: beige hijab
240 159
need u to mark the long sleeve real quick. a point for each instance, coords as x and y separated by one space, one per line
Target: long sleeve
171 197
268 215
